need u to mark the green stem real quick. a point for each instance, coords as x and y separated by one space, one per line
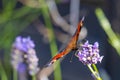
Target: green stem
105 24
33 77
96 75
15 75
3 73
95 68
51 37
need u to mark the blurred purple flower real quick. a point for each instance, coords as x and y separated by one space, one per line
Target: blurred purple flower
23 44
89 54
24 56
16 58
21 67
32 61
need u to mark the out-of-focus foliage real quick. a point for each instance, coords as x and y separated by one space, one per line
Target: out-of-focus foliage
13 19
113 38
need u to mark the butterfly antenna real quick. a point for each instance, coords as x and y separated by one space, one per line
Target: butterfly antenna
76 53
83 18
73 54
71 58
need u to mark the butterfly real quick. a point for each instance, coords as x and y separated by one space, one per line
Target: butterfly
72 45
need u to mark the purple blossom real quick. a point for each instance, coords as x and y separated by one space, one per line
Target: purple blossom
21 67
23 55
23 44
32 61
16 59
89 54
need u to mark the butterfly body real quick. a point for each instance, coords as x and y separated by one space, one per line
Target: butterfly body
72 45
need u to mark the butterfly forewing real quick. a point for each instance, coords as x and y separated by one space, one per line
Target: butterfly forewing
70 46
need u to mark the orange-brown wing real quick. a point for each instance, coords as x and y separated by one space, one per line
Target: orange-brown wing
71 45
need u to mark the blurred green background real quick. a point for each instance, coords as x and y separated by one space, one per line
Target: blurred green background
48 23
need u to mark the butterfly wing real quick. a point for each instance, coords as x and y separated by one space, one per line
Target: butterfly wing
71 45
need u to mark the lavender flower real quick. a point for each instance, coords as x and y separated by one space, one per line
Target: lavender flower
24 56
23 44
89 54
32 61
17 60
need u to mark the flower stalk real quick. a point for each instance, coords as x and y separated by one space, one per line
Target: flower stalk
94 72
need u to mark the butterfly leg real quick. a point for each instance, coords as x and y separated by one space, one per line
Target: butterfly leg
74 52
